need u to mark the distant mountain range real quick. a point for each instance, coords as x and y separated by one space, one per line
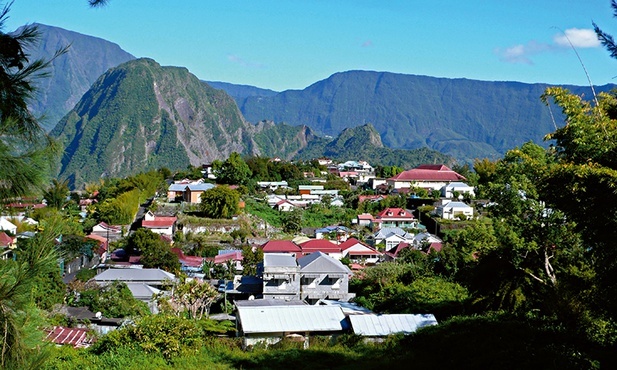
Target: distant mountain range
467 119
72 73
139 115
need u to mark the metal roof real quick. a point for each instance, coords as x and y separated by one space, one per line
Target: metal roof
279 260
383 325
133 274
284 319
321 262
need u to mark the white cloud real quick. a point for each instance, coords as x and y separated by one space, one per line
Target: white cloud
522 53
244 63
579 37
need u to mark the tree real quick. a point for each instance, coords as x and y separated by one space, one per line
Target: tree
250 259
56 194
26 152
233 170
292 221
220 202
192 297
155 253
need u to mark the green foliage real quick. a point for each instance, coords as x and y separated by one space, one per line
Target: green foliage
365 142
120 210
57 193
233 170
292 221
85 274
166 335
113 300
220 202
250 259
155 253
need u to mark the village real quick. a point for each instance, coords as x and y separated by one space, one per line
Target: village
295 283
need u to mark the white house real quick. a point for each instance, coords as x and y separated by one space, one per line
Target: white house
452 210
7 225
459 187
159 224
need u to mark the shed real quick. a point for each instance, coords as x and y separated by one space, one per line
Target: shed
376 326
270 324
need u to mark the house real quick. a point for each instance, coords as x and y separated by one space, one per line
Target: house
453 210
281 276
175 191
426 241
285 206
359 252
156 278
281 246
159 224
393 253
7 245
460 187
395 217
270 324
377 327
110 232
340 233
272 185
6 225
323 277
321 245
426 176
76 337
188 263
364 219
390 237
192 192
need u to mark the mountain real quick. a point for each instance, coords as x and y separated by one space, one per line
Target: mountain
464 118
364 143
141 116
241 92
72 73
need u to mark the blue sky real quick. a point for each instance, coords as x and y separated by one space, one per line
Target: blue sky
290 44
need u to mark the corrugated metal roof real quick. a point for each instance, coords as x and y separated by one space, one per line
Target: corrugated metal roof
280 319
321 262
279 259
134 275
383 325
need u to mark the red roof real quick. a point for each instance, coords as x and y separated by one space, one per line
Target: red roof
192 261
319 245
369 251
280 246
428 172
159 222
399 247
233 256
5 240
102 242
362 198
365 216
395 213
77 337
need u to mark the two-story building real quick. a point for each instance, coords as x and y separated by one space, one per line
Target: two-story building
323 277
427 176
281 276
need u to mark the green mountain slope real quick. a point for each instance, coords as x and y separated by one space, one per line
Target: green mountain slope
72 73
464 118
364 143
140 116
